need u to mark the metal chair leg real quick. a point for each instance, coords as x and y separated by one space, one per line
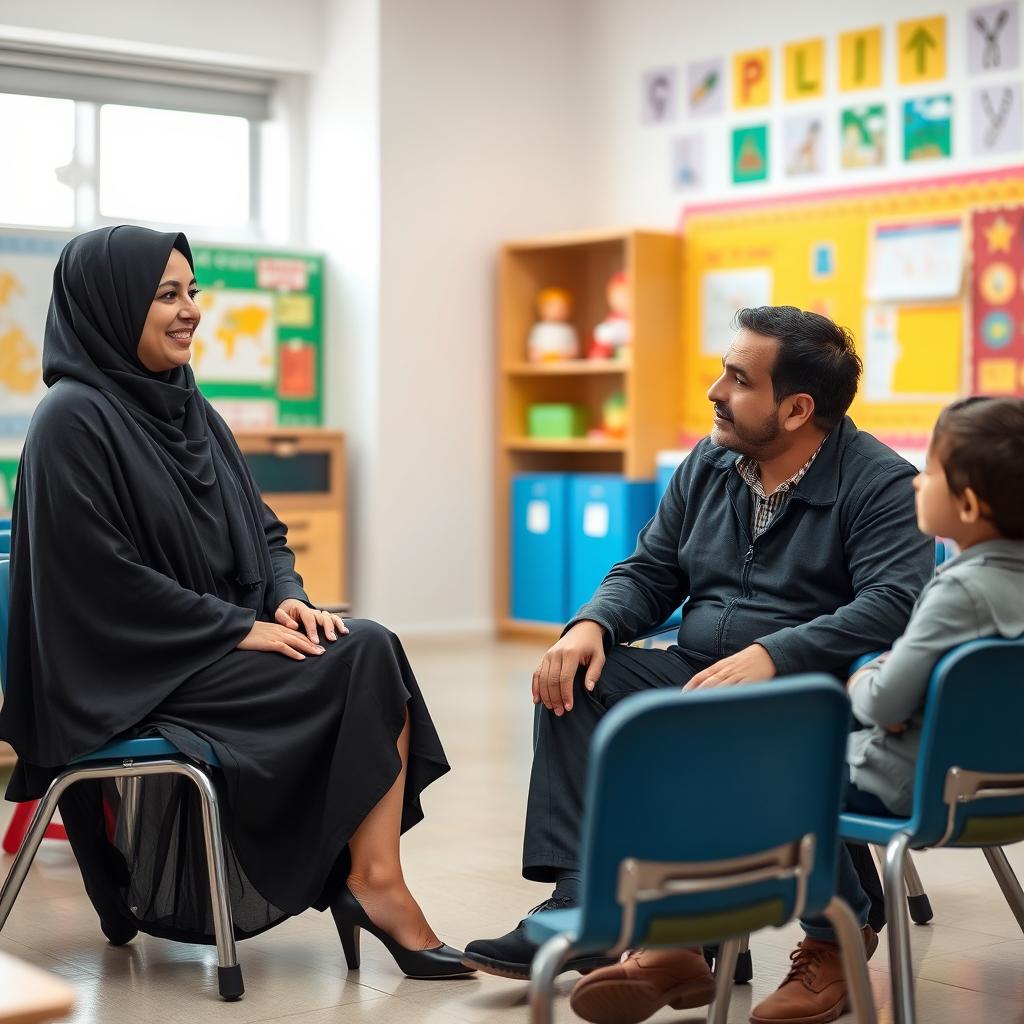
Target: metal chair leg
30 844
547 962
1007 881
725 968
744 963
855 964
900 968
229 973
917 899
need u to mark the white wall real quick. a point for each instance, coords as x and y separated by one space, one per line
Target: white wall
343 202
255 33
629 38
483 139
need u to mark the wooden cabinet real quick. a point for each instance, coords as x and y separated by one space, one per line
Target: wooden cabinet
301 474
648 376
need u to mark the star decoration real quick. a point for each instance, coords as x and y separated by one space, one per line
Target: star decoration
999 234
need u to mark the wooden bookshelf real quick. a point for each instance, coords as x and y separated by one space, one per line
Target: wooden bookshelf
648 376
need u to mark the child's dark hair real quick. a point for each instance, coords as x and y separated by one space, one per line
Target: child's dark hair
980 443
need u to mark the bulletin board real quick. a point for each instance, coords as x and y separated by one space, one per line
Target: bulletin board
894 263
257 355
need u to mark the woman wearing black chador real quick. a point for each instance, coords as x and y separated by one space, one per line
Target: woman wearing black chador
153 592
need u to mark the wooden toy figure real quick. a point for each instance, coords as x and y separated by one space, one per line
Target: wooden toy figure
553 338
614 332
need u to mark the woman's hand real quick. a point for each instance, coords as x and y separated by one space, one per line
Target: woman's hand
271 636
293 614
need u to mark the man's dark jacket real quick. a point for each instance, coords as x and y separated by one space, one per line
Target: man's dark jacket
834 576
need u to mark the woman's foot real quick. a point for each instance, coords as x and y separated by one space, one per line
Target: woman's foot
392 908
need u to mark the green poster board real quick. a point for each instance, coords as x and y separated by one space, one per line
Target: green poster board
258 352
257 355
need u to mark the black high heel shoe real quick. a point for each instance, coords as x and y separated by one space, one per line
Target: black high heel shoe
440 962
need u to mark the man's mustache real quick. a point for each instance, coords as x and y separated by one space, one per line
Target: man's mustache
722 413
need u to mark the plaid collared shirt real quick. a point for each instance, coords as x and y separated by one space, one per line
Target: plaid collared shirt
766 505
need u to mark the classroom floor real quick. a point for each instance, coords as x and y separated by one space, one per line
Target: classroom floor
463 863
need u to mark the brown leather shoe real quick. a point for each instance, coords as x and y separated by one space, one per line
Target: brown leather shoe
647 980
814 991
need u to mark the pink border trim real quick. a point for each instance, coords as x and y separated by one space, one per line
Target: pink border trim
851 192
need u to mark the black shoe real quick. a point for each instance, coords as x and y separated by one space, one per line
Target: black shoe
117 930
511 955
424 964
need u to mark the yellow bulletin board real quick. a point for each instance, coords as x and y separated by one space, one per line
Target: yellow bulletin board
819 251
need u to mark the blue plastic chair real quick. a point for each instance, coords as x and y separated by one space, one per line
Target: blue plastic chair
969 787
669 860
5 541
130 761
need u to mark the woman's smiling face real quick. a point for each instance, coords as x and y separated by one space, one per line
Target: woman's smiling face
166 339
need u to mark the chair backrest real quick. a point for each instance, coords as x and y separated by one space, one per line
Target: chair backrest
710 776
5 542
974 722
944 551
5 614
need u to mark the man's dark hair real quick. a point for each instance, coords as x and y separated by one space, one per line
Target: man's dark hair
980 443
816 357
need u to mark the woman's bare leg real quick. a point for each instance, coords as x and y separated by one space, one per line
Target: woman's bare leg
376 878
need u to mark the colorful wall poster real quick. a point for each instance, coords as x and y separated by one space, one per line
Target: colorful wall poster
804 70
997 338
705 87
860 59
927 128
921 47
752 79
26 277
257 353
862 136
996 122
750 154
803 145
916 260
658 96
688 166
993 37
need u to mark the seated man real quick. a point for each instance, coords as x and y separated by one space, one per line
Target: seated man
792 536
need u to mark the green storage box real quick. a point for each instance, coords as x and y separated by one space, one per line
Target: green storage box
556 419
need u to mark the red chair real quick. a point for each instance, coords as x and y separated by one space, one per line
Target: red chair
19 826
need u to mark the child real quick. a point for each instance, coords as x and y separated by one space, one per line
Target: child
970 491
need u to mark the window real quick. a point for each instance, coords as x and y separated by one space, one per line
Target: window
174 166
31 189
106 140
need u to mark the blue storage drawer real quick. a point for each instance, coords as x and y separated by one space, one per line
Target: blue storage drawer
667 462
606 514
539 578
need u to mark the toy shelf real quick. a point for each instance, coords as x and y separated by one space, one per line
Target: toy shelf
566 444
648 375
570 368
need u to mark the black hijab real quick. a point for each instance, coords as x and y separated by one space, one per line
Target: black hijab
103 287
142 551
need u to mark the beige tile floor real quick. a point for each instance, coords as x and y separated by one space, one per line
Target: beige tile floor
463 862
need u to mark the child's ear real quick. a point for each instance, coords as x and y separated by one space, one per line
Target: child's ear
971 508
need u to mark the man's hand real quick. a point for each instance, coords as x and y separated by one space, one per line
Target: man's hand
751 665
552 682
